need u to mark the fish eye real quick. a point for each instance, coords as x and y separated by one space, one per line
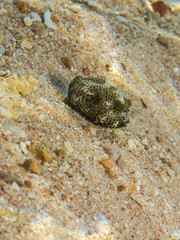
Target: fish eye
118 106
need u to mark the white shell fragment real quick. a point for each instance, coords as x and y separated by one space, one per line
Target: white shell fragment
47 20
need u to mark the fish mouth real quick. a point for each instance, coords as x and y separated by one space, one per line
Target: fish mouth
123 124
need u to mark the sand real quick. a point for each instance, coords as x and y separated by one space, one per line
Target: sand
61 176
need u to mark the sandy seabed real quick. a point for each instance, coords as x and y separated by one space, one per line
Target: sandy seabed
53 184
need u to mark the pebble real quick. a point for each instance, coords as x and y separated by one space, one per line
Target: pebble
3 10
68 147
151 138
137 174
119 132
54 18
60 152
176 69
112 172
115 153
145 141
28 142
1 37
31 165
170 172
8 36
161 7
159 139
28 183
132 188
2 50
75 8
22 7
132 143
67 61
35 17
23 147
43 154
19 36
37 28
15 186
8 53
121 164
86 71
27 21
107 163
121 188
27 43
31 195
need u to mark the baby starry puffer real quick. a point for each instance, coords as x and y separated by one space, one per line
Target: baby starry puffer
100 101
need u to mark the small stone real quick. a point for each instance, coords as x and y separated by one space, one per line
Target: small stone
37 28
60 152
67 61
22 7
118 132
15 186
121 188
132 144
132 188
23 147
145 141
107 163
51 34
87 127
121 164
28 183
35 17
115 153
31 195
27 43
43 154
151 138
8 36
2 50
161 7
64 196
170 172
54 18
137 174
27 21
176 69
19 36
159 139
86 71
31 165
74 8
3 10
8 53
112 172
1 37
68 147
28 143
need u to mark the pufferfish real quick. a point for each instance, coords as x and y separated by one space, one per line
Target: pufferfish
99 101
